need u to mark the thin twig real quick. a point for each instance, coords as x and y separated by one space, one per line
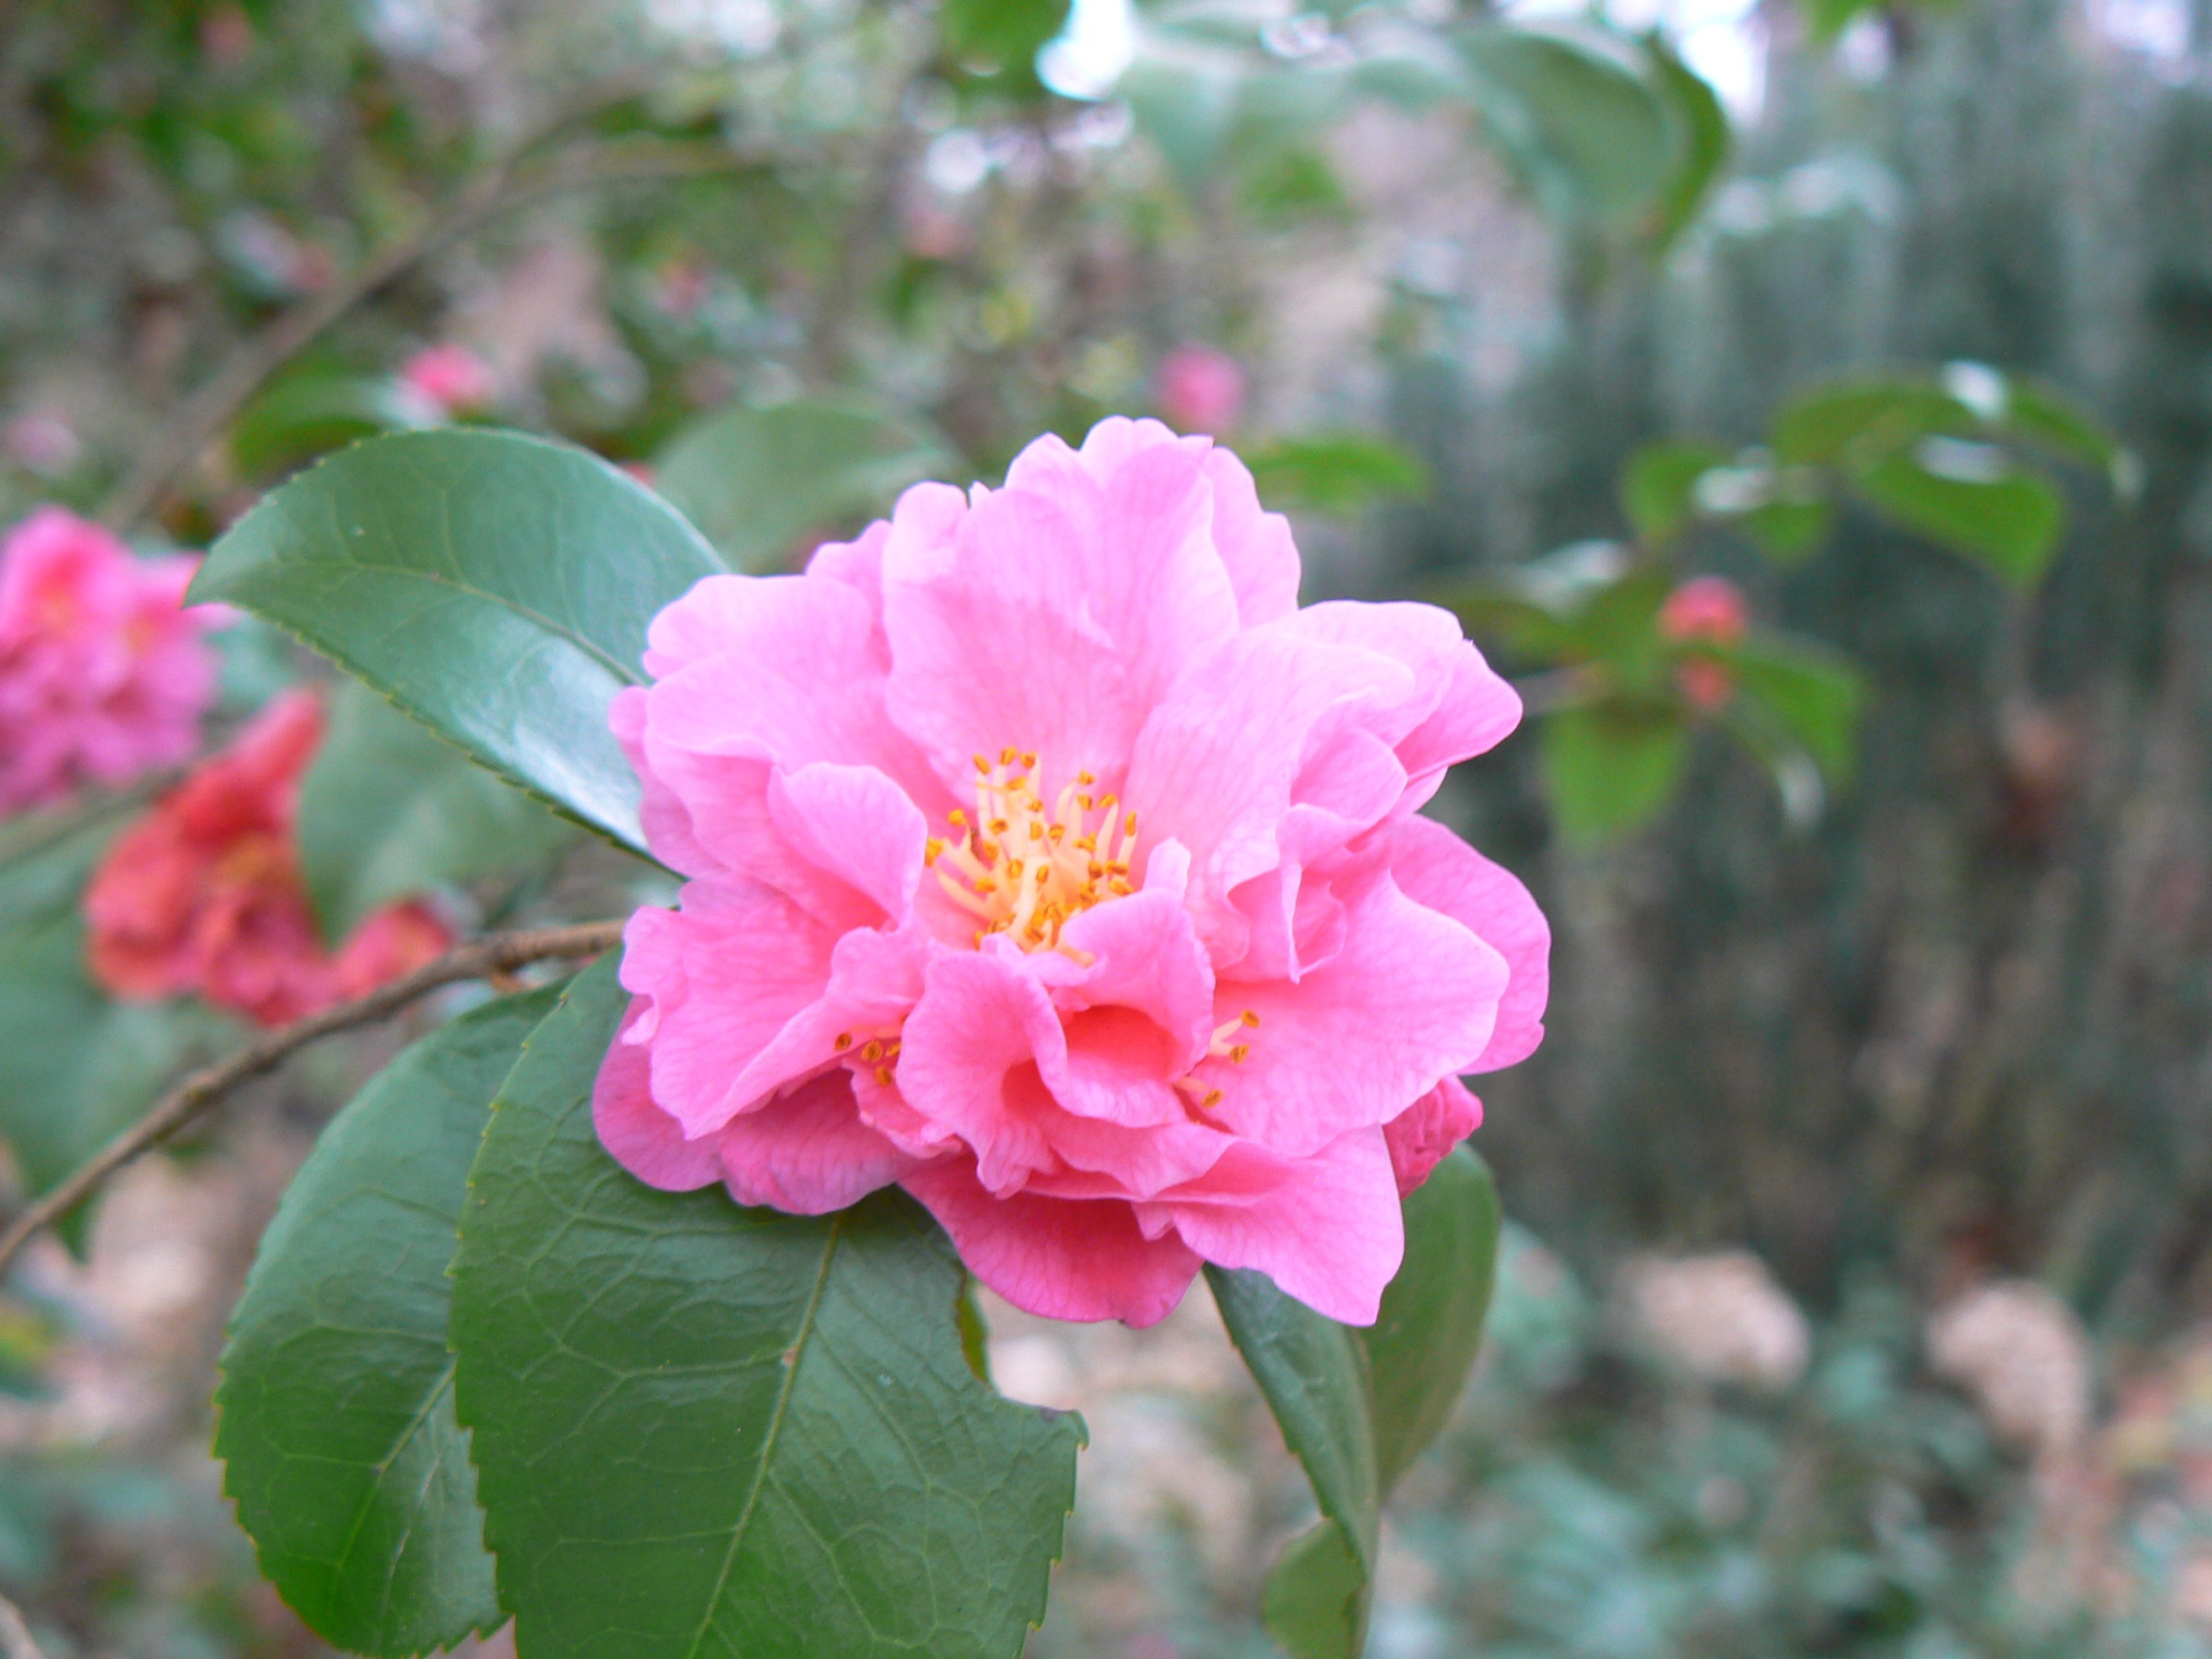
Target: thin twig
498 189
15 1635
480 959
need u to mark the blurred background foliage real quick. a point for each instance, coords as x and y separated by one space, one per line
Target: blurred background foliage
1807 401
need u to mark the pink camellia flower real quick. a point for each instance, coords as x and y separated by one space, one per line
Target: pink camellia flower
1704 610
1200 389
102 675
1045 859
204 894
450 378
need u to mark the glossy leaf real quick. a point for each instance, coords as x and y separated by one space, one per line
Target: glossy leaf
497 587
702 1429
1610 768
1382 1391
1313 1373
345 1459
388 811
757 481
1421 1347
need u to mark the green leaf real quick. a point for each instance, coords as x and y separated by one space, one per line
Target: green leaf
1587 137
1659 488
76 1067
1336 473
704 1428
1182 89
1611 767
1316 1600
388 811
1001 38
1873 417
1358 1404
495 586
1421 1347
2007 518
1813 693
1788 529
1313 1373
756 481
1704 138
345 1459
308 415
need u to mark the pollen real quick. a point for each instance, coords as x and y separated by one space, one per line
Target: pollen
1077 852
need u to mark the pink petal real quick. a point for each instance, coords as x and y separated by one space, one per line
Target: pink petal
726 974
853 823
1435 868
1458 706
1062 610
642 1137
1255 545
1058 1258
1410 997
1215 763
1326 1228
808 1152
1422 1135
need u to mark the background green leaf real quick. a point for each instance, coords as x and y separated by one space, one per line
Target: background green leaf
497 587
2009 523
755 481
704 1428
76 1067
1587 137
1611 767
345 1459
1337 472
388 809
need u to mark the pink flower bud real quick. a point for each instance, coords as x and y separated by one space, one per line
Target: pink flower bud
1704 610
450 379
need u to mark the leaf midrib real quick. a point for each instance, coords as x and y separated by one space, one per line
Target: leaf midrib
777 1417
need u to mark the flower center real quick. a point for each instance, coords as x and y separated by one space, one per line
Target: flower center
1023 870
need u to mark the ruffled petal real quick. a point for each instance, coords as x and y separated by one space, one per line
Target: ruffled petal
642 1139
807 1151
1435 868
1412 995
1059 1258
1325 1228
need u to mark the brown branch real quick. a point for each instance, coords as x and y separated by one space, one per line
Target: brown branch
480 959
15 1635
497 190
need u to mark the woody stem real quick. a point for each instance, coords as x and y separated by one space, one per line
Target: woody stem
488 957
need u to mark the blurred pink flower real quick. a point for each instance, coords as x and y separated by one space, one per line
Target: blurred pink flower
1707 610
1200 390
205 895
450 379
1045 859
102 674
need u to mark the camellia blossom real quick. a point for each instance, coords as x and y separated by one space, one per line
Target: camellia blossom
204 893
1044 858
1200 389
1704 610
102 674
